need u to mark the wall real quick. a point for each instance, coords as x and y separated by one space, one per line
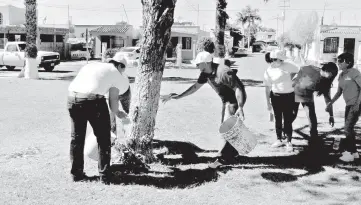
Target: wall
17 15
4 10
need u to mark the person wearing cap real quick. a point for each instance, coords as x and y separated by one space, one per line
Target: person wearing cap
280 95
229 88
349 85
87 103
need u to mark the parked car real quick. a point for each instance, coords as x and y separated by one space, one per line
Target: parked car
240 52
258 46
81 54
14 56
270 46
130 53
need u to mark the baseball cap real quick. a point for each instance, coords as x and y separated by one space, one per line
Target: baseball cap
203 57
119 58
278 54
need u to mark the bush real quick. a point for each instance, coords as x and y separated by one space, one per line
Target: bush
205 44
31 51
110 52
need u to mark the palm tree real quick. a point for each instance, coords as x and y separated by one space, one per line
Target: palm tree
31 70
221 19
248 16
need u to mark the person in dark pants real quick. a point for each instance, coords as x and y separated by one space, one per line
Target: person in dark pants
280 95
230 89
308 80
349 85
87 103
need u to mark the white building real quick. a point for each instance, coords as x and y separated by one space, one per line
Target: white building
332 40
266 36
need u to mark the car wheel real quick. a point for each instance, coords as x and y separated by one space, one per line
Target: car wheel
49 68
10 68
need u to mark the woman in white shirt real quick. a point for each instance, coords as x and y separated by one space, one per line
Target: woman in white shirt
280 95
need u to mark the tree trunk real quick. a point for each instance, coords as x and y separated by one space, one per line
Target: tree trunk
31 68
157 22
221 19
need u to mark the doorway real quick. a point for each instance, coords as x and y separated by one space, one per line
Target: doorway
349 46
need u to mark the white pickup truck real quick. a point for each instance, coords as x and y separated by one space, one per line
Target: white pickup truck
14 56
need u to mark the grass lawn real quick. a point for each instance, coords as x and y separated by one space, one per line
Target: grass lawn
34 154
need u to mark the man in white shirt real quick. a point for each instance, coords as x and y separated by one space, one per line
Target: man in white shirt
87 102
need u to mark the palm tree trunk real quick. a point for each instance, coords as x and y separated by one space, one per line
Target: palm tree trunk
221 18
157 21
31 67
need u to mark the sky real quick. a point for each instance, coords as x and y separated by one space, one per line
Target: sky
91 12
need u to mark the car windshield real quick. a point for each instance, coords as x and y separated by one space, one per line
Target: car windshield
22 46
127 49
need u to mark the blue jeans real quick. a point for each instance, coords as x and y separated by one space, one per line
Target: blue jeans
351 118
95 110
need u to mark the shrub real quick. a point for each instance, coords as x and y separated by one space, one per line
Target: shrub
205 44
31 51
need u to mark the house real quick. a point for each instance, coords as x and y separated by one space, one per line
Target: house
266 36
107 36
12 28
332 40
186 35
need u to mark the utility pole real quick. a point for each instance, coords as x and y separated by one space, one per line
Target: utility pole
198 16
86 44
285 3
323 14
68 20
125 14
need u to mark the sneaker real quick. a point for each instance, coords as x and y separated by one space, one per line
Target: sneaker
356 155
347 157
277 144
216 164
289 147
223 161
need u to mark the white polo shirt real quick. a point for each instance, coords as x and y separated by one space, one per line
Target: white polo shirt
279 78
98 78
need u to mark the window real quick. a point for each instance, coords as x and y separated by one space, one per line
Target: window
11 48
47 38
330 45
1 18
59 38
186 43
22 46
269 36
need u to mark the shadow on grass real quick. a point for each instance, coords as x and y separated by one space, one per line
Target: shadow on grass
310 158
168 180
187 150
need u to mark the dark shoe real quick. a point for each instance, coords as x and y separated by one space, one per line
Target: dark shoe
105 180
80 178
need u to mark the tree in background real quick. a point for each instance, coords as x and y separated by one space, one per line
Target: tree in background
221 19
158 18
249 17
303 30
31 51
